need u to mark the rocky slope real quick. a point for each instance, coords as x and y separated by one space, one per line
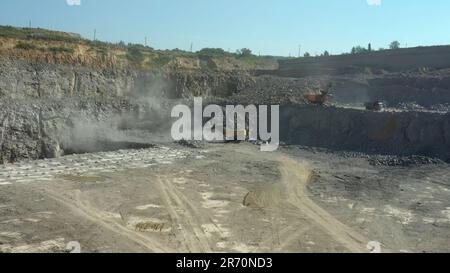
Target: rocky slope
42 106
23 79
390 133
376 62
40 102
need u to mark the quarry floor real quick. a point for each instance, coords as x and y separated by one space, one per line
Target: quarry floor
222 198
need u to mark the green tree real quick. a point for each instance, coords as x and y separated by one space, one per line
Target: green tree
135 55
122 44
326 53
212 52
245 52
394 45
358 50
306 55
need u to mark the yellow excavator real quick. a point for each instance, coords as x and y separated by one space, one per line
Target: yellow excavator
235 135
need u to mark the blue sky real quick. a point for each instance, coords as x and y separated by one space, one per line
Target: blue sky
269 27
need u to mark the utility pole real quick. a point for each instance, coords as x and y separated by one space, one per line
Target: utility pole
95 34
29 24
192 47
299 51
145 42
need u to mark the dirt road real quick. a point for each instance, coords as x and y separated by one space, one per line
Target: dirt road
295 176
223 198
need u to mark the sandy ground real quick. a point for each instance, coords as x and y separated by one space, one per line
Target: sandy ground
222 198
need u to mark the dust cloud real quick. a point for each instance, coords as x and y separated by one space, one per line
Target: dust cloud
146 122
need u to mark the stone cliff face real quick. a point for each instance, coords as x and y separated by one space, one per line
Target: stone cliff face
33 129
21 79
38 101
405 59
47 110
400 133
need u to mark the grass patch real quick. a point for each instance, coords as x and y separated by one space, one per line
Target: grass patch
25 46
61 49
135 55
38 33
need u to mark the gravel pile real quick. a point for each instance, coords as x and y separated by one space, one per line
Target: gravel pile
379 160
410 106
194 144
403 161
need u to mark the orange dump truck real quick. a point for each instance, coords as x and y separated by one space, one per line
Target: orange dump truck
321 99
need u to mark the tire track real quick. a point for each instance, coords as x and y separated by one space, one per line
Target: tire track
189 222
295 177
87 211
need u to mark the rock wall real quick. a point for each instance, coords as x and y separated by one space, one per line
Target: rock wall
31 129
434 57
21 79
426 90
400 133
40 102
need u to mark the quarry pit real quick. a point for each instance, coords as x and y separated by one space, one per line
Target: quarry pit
87 157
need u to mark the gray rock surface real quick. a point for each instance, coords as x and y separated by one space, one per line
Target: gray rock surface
390 133
45 107
46 110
